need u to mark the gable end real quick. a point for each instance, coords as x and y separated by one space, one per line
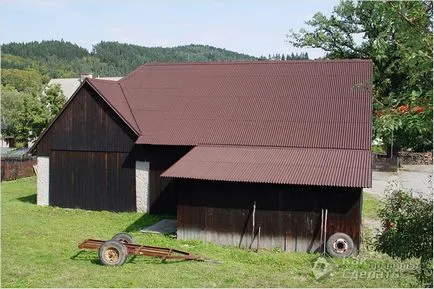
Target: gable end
86 123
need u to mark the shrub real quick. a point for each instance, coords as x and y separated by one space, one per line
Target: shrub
407 230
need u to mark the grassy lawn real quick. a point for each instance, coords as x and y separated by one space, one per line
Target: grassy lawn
39 249
370 206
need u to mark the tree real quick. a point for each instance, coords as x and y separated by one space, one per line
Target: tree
22 80
12 104
53 100
39 110
26 114
397 36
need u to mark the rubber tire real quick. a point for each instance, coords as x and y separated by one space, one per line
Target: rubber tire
340 238
118 247
124 238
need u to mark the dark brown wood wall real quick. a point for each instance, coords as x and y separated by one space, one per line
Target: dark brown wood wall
90 165
289 216
92 180
87 124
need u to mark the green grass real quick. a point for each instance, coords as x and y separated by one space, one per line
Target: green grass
39 249
370 206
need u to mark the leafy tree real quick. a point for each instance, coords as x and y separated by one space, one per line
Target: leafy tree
397 36
26 114
408 230
22 80
32 119
12 104
53 100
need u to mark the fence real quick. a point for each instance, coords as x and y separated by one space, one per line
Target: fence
15 164
14 169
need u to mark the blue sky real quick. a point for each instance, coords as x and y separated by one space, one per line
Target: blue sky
252 27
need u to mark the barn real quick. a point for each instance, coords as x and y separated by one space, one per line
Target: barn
221 146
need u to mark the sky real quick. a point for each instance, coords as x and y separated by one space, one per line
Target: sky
252 27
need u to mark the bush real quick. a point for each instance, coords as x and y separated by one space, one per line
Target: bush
407 230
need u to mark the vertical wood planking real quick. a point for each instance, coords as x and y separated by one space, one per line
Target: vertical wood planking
87 124
289 216
92 180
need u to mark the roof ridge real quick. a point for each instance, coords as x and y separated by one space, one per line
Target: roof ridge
241 62
132 72
104 80
129 106
276 147
254 62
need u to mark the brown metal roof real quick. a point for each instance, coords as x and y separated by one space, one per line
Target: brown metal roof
298 166
112 93
287 104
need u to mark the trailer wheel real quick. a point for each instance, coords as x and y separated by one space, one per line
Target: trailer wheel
112 253
340 245
124 238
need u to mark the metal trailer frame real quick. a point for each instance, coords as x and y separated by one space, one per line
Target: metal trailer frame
142 250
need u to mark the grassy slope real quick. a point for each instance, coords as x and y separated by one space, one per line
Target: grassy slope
38 245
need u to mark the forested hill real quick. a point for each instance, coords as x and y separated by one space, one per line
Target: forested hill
54 59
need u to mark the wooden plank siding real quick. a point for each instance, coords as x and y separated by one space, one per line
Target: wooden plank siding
87 124
90 165
92 180
289 216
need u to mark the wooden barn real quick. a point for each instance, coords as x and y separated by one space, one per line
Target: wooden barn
219 145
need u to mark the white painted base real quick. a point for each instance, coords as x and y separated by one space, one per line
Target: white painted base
142 187
43 181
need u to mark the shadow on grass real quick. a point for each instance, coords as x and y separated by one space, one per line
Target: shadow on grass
28 199
145 221
86 256
93 258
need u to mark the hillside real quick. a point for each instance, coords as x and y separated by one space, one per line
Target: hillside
54 59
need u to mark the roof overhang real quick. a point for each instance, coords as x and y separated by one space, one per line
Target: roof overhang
278 165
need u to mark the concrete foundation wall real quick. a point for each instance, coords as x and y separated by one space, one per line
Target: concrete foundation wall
43 184
142 187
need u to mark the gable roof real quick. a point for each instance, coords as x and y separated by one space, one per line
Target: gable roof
322 104
312 117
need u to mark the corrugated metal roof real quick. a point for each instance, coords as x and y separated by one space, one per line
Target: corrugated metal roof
111 91
14 153
298 166
290 104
